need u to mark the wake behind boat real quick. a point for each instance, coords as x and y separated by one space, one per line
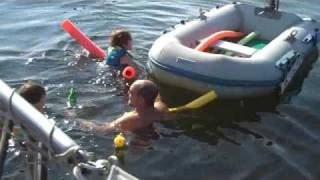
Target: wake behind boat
238 50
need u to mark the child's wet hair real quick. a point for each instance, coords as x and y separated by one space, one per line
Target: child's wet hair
32 92
120 37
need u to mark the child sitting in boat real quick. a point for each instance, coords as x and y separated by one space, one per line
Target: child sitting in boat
148 108
117 52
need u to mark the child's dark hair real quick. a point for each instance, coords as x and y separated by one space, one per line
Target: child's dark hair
32 92
119 37
148 91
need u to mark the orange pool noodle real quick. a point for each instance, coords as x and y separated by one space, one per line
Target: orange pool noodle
82 39
214 38
129 73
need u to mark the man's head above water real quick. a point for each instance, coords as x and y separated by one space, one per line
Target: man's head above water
143 93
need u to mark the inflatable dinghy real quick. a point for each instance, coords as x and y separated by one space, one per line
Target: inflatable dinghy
237 50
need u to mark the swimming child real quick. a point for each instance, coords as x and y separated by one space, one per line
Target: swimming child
117 52
143 96
35 94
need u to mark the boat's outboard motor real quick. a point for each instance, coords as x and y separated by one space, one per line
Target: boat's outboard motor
273 5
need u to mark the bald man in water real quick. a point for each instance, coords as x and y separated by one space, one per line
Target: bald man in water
148 108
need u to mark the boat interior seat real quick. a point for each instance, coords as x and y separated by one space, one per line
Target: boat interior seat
235 48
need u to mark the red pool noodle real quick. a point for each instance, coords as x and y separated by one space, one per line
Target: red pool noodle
82 39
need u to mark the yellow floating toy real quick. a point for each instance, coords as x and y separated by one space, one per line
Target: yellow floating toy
119 141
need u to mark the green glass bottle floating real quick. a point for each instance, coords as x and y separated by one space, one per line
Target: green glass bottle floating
72 98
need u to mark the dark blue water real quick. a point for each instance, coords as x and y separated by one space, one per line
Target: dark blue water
267 138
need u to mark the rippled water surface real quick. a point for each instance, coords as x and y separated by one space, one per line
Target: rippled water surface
265 138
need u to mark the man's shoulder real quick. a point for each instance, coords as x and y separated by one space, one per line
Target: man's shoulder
129 116
160 106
